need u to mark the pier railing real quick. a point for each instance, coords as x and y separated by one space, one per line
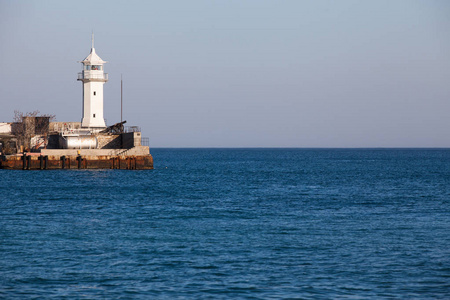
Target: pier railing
131 129
145 141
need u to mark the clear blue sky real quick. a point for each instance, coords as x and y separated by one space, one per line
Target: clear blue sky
238 73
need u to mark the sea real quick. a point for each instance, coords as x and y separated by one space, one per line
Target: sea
232 224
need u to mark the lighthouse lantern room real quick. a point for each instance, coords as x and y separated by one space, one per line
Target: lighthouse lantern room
93 79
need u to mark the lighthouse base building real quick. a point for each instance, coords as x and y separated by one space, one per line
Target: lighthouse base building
36 143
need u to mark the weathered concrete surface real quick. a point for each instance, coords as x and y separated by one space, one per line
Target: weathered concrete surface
131 139
109 141
136 151
64 126
5 128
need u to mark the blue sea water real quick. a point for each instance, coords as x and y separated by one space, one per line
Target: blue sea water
232 223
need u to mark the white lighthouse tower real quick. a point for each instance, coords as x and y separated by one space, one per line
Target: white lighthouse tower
93 79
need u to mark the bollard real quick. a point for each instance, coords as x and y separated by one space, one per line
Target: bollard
24 161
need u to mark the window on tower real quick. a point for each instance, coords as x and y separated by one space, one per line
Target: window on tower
93 67
95 93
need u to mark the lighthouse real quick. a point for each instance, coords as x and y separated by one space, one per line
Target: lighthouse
93 79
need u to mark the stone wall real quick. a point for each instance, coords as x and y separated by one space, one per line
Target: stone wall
64 126
109 141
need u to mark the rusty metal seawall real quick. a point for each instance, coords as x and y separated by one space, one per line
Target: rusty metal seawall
46 162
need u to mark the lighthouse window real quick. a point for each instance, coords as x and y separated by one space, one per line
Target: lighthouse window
95 93
94 115
93 67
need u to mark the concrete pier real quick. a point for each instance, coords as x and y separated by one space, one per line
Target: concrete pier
31 161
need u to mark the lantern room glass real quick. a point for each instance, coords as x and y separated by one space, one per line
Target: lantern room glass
93 67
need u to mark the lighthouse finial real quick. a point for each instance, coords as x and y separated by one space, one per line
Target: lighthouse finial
92 38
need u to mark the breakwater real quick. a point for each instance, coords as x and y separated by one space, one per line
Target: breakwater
46 162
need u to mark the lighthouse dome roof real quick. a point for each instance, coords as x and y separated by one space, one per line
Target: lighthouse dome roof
93 59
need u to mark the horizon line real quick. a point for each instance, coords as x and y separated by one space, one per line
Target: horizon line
275 147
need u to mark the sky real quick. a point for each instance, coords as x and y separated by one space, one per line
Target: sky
239 73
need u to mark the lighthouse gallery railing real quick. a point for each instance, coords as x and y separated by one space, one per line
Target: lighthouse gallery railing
83 75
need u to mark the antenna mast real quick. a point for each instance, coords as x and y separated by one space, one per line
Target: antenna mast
121 98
